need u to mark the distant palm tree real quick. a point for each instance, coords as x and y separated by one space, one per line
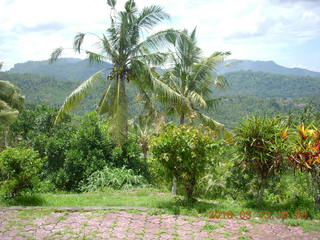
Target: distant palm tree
11 101
133 62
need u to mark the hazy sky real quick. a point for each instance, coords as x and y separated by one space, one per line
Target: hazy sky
286 31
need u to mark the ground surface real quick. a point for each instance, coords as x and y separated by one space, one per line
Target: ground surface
135 224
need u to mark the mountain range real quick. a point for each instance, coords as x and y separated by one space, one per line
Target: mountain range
77 69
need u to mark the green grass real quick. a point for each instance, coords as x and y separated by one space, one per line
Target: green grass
306 225
161 202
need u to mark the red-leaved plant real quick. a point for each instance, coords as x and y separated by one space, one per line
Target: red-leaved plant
306 155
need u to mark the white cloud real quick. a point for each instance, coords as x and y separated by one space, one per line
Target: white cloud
251 29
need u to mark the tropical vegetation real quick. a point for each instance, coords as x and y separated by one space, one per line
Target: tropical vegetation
162 111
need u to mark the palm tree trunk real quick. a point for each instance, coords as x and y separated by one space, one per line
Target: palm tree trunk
120 119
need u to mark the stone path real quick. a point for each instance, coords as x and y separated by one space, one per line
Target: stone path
133 224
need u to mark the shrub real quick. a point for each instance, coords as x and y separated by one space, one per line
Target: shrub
116 178
19 169
90 150
129 155
261 143
185 152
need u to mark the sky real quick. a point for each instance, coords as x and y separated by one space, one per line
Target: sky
284 31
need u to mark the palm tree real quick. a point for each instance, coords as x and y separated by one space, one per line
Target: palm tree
192 76
133 61
11 101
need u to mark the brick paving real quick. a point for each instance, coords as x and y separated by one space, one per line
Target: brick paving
116 223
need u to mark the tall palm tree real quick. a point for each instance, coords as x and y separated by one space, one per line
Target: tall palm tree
133 58
11 101
193 77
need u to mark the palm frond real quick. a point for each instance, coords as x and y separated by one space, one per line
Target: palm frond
159 40
154 58
217 127
146 76
196 99
77 42
112 3
103 106
213 102
150 16
78 94
94 57
55 55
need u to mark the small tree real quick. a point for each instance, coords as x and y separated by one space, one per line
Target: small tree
306 155
261 147
19 168
185 152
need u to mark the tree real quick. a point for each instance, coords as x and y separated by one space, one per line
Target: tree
11 101
261 143
193 77
133 62
185 152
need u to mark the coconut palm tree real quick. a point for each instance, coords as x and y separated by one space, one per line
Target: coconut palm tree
11 101
133 58
193 77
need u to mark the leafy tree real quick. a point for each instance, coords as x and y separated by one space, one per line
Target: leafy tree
11 101
261 143
132 60
185 152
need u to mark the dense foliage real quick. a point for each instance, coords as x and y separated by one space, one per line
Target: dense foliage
19 171
185 152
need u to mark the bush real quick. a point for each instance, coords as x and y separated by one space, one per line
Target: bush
129 155
185 152
261 143
19 169
116 178
90 150
305 155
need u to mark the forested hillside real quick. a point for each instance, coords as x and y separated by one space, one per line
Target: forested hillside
262 84
249 92
64 69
